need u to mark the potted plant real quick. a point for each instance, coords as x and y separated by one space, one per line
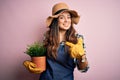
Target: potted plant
37 53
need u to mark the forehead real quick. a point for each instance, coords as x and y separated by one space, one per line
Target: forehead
65 13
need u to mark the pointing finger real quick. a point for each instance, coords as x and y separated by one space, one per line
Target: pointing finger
69 44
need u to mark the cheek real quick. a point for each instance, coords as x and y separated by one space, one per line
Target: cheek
60 23
69 20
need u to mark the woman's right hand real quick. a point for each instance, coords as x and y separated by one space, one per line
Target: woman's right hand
32 67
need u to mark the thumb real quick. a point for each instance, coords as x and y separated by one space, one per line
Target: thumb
69 44
32 65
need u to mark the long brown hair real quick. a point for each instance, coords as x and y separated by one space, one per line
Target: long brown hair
51 41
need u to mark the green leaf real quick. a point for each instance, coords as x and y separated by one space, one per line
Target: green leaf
36 49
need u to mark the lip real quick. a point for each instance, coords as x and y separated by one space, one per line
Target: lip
65 25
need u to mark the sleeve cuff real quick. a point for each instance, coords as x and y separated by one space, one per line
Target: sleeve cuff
85 69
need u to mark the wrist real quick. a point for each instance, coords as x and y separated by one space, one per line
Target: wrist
83 58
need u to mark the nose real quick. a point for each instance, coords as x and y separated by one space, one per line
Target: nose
65 19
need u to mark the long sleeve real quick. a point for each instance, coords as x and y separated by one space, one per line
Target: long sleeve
82 66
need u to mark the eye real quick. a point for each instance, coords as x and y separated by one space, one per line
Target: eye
61 17
68 16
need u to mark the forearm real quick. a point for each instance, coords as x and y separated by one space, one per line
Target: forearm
82 63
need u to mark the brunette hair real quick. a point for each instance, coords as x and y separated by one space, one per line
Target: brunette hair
51 41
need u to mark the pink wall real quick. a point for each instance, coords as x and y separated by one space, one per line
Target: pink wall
23 22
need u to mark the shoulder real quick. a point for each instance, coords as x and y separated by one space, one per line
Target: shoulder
46 34
82 37
79 35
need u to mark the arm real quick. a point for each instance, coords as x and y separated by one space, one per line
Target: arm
82 64
77 51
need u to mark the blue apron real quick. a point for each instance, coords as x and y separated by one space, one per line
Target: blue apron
60 69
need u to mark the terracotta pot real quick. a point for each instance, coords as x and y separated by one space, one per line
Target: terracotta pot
40 62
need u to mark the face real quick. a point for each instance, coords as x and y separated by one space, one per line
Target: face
64 21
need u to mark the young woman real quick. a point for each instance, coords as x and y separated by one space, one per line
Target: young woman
60 59
65 48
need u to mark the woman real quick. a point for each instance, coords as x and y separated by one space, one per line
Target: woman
65 48
58 39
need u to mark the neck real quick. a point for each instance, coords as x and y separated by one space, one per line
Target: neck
62 35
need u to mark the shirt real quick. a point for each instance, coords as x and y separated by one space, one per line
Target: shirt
61 68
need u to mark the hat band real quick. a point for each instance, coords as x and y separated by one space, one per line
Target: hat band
60 11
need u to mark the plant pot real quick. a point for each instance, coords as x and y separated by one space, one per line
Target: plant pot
40 62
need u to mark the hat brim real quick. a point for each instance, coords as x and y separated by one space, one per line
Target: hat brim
75 17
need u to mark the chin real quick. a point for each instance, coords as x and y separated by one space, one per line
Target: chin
64 29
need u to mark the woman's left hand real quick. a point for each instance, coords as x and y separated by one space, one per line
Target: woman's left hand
76 50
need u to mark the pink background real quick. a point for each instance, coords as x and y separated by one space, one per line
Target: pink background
23 21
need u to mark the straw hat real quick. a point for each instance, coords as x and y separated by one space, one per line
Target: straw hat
58 9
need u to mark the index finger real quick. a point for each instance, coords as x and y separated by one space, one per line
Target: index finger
69 44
